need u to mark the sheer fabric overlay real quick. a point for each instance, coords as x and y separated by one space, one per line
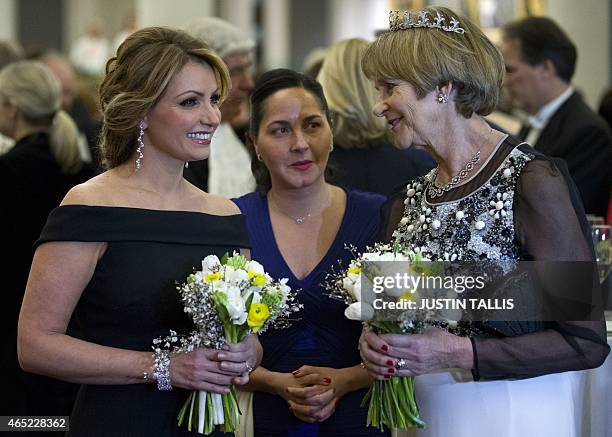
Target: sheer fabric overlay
549 225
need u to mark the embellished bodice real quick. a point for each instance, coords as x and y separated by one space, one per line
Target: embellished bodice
476 227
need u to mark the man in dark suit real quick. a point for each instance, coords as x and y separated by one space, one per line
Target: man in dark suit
540 62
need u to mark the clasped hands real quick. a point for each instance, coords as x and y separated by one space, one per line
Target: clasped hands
214 370
312 393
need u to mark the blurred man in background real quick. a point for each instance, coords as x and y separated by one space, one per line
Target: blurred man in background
540 62
227 171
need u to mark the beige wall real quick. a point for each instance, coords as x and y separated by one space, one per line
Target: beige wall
587 22
171 13
79 12
8 19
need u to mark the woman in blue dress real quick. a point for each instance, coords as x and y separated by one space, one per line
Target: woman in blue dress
310 382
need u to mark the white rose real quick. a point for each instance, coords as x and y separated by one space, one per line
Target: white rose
389 256
235 276
220 286
235 306
359 311
369 256
254 267
209 262
348 284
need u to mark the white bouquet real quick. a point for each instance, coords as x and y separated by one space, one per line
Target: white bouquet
228 300
392 402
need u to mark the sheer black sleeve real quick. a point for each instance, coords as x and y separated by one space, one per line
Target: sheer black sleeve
551 226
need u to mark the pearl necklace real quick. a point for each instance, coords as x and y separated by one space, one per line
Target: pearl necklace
433 190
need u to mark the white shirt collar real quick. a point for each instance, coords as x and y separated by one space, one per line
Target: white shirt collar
539 120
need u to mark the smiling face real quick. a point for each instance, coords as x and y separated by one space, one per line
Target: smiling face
410 118
182 123
294 138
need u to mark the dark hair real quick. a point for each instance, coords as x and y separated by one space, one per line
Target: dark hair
268 84
541 39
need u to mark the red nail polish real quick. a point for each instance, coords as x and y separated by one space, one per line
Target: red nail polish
296 372
390 370
385 348
389 363
327 380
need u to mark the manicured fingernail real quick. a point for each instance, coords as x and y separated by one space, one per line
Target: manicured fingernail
389 370
296 372
385 348
389 363
327 380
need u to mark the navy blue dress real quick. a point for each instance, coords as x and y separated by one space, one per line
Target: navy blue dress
322 336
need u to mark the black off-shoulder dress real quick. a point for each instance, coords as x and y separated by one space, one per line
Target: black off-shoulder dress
132 299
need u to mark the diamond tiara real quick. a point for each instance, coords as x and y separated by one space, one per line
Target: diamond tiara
399 20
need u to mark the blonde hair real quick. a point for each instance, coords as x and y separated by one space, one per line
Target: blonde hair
429 57
36 92
136 79
350 95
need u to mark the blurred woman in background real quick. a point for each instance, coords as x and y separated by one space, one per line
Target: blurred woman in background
34 175
364 157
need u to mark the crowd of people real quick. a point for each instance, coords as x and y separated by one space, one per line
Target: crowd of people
187 155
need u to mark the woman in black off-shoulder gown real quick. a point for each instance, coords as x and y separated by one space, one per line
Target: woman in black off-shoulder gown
132 299
104 276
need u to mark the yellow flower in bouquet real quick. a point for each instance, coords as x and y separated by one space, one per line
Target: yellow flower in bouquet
257 278
228 299
258 314
211 277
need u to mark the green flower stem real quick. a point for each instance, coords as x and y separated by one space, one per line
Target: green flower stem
191 408
392 403
209 426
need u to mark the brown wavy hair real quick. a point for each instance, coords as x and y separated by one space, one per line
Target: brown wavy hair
137 77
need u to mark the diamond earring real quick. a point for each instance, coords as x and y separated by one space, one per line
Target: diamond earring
442 98
140 147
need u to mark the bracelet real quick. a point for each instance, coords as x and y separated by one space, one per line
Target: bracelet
161 369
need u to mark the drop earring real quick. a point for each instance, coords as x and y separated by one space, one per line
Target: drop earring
140 147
